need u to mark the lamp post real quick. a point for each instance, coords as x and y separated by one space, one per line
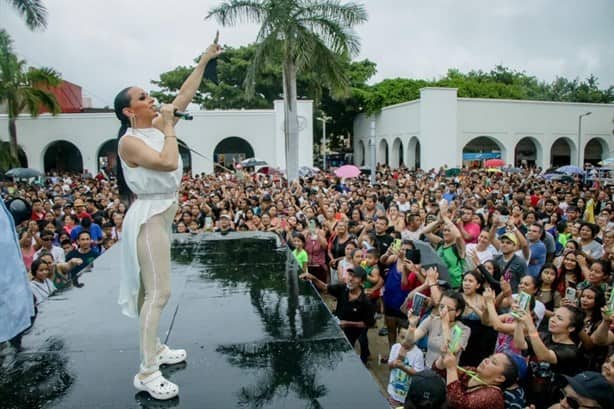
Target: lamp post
324 119
580 137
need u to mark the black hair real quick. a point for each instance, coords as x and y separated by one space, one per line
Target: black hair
82 232
510 372
86 222
576 321
122 100
373 251
595 313
458 299
35 266
300 237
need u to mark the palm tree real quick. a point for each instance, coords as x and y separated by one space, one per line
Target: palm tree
24 89
307 35
34 12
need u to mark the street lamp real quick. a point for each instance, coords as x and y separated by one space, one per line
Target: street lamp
580 137
324 119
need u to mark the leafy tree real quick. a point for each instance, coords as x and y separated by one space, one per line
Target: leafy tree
307 36
24 89
7 161
34 12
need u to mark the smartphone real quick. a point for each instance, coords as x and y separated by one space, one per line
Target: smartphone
321 220
611 302
396 244
418 303
524 301
312 226
208 223
504 219
570 294
456 335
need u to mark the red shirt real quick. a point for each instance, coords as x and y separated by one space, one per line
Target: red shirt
460 396
37 216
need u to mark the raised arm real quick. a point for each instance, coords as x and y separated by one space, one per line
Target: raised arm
192 83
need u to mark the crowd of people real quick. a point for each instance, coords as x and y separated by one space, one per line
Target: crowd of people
517 311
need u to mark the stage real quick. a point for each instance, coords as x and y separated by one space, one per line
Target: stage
256 336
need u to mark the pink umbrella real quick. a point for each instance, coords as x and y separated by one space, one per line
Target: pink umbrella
494 163
347 171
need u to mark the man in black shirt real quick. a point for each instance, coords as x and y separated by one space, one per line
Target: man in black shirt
354 310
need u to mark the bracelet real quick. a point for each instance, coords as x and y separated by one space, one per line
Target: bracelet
170 136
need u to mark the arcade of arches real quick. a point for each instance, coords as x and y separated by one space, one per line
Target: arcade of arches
107 156
528 152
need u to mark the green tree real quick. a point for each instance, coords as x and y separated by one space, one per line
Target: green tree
305 36
34 12
7 161
24 89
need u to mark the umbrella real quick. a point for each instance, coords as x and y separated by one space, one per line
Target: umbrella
428 257
552 176
252 162
24 173
494 163
453 172
512 170
268 170
609 162
494 170
571 170
347 171
306 171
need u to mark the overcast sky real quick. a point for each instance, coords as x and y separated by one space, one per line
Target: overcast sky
106 45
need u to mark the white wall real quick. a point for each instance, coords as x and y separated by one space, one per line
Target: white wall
444 124
260 128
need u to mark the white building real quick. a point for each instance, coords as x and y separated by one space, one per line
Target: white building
442 129
89 140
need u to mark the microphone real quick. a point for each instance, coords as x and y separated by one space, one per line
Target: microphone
183 115
178 114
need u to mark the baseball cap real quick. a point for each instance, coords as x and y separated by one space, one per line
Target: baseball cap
358 272
510 236
426 390
592 385
224 216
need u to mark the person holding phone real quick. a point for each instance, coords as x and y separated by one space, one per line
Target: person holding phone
148 178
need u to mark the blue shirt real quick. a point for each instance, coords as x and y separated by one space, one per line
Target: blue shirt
95 232
17 301
538 258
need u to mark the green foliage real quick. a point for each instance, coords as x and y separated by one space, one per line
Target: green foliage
7 161
34 12
24 89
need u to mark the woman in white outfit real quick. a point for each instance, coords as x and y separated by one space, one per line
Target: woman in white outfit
149 177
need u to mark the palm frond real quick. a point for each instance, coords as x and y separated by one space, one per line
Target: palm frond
47 99
347 14
340 39
44 76
265 50
34 11
237 11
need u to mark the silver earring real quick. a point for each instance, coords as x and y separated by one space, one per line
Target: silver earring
133 121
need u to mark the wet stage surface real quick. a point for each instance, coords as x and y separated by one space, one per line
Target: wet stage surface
256 336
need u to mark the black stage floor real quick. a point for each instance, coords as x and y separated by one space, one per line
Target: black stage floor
256 336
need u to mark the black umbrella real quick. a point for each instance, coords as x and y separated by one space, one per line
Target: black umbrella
24 173
429 257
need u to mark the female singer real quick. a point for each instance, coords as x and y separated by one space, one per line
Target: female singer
149 177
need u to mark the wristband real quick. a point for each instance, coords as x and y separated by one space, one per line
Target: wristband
170 136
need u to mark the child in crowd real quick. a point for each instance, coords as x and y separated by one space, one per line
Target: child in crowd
405 360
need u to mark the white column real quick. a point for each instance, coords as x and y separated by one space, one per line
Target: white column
438 128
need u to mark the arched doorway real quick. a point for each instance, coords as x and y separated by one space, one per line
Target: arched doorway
382 152
397 153
413 153
231 150
186 156
107 157
63 156
563 152
595 151
360 154
528 153
482 148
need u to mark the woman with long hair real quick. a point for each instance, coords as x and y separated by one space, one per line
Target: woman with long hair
591 300
149 177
